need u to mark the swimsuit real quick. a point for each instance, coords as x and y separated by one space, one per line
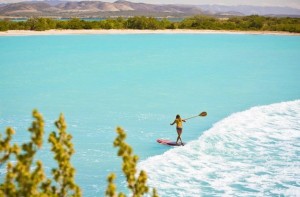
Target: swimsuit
179 126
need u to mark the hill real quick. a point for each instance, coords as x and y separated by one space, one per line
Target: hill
250 10
95 9
57 8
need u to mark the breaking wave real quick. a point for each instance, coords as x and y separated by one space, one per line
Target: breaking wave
254 152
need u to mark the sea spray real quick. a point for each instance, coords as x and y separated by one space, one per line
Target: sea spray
255 152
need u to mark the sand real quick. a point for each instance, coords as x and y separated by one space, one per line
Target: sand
127 31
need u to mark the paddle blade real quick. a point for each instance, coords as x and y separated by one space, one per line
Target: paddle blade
203 114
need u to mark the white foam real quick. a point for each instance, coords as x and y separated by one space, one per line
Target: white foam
255 152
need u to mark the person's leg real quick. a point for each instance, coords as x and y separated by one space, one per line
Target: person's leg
179 131
181 140
178 136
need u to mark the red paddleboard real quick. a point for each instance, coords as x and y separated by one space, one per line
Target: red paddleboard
169 142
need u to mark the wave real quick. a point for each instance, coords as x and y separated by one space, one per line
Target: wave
255 152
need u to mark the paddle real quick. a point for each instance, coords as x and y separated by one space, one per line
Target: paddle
201 114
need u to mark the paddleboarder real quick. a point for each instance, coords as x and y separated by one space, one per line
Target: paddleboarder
178 122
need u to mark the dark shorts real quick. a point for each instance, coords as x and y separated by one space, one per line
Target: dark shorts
179 130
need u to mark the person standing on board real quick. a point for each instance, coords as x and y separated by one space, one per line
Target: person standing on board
178 122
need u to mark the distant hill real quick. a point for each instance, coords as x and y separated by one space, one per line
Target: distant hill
250 10
57 8
95 8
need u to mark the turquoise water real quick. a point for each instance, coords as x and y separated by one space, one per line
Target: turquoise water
140 82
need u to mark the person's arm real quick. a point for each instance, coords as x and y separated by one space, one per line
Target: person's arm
183 120
173 122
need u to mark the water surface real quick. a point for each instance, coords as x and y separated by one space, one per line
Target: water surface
140 82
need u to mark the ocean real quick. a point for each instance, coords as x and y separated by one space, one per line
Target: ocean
247 145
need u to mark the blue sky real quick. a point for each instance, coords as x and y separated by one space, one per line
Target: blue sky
282 3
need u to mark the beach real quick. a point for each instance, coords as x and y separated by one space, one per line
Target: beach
131 31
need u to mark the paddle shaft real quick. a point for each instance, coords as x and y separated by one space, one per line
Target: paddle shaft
201 114
191 117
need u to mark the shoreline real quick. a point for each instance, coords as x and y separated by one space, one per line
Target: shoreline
131 31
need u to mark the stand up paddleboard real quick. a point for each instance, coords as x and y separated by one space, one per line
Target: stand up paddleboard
172 143
169 142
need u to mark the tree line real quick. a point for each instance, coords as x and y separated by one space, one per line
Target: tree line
246 23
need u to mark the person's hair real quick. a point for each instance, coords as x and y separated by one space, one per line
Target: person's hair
177 116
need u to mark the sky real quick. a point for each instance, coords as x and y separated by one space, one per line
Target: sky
281 3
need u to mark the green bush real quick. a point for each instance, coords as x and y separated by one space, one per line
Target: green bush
40 24
4 25
21 180
254 23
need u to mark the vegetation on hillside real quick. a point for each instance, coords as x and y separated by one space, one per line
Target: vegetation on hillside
247 23
26 177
